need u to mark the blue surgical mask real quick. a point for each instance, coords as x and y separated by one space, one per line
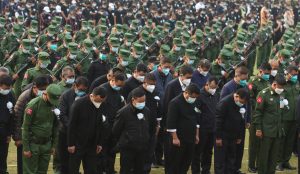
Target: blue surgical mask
243 83
80 93
239 104
114 49
140 106
53 47
70 81
166 71
116 88
191 62
124 63
294 79
191 100
40 92
266 77
4 91
44 65
103 57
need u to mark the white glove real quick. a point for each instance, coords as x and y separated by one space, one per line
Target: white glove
140 116
56 112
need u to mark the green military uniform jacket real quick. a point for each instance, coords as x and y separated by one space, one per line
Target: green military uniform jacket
33 73
40 123
268 114
291 94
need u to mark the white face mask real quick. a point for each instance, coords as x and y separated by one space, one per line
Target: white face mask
150 88
191 100
212 91
140 78
72 56
96 104
70 81
274 72
204 73
44 65
279 91
4 91
186 82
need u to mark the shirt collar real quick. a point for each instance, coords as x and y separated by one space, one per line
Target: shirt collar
183 86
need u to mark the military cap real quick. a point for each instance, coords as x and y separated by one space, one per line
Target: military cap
145 35
90 23
290 41
52 29
124 54
164 49
53 93
125 28
251 28
207 29
114 41
289 46
134 23
240 44
138 48
119 27
20 17
149 21
285 53
93 33
68 38
186 36
44 57
84 25
88 43
190 53
177 42
68 28
101 28
160 28
228 47
33 33
17 28
129 37
226 53
103 21
27 43
199 31
167 24
73 47
34 24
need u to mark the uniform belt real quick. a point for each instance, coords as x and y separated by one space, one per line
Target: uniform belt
40 140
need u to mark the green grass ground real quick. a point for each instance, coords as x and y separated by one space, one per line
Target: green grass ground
12 162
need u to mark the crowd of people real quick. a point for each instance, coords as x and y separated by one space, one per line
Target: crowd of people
163 83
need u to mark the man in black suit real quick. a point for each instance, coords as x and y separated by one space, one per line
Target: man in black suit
136 80
229 130
173 89
66 100
183 123
84 144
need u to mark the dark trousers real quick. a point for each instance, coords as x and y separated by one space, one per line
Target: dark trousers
287 142
166 144
88 157
298 149
225 157
159 148
110 155
203 153
150 155
254 145
3 156
240 152
19 159
63 153
181 157
132 161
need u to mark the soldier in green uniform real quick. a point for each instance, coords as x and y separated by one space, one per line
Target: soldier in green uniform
123 61
164 51
67 78
61 37
10 42
85 57
262 47
251 53
114 49
69 60
136 56
289 119
39 69
188 59
270 107
100 38
21 60
128 39
177 52
255 85
3 29
48 36
283 57
62 50
34 25
40 127
82 33
228 32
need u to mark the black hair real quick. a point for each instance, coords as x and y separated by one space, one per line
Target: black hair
150 77
119 77
99 91
243 93
141 67
41 81
6 80
280 80
192 89
186 69
204 63
292 68
164 60
242 70
137 93
265 66
212 79
82 81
